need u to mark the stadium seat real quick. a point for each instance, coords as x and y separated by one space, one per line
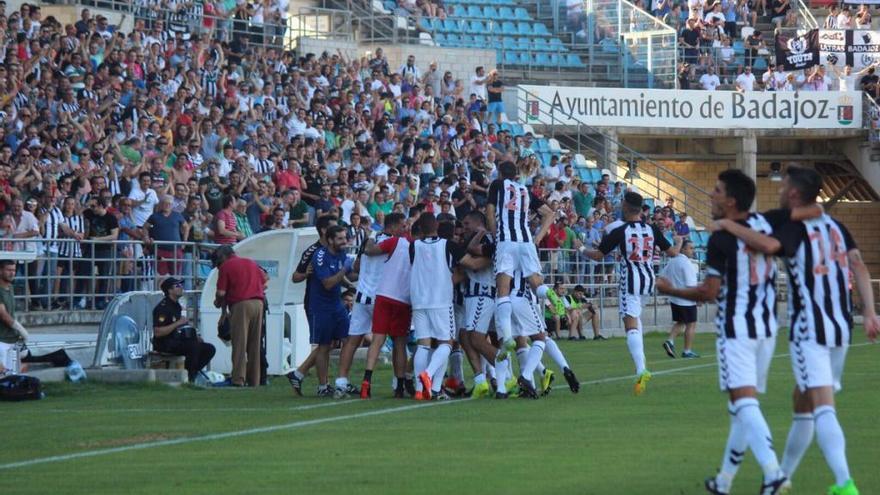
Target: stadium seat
524 28
704 237
510 43
759 63
508 28
525 58
524 44
390 5
584 174
506 126
436 25
595 174
475 11
495 43
545 158
555 44
451 26
506 13
475 27
554 147
490 12
746 31
522 15
540 29
457 11
555 60
440 39
543 59
516 129
453 40
511 58
480 41
739 47
499 57
426 39
467 41
542 146
540 45
573 60
425 24
579 160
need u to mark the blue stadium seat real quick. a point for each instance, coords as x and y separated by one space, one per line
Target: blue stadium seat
474 11
508 28
451 26
490 12
457 11
499 57
584 174
522 15
436 25
494 27
496 43
439 38
524 28
510 43
555 60
545 158
540 29
595 174
425 24
516 129
475 27
573 60
525 58
480 41
506 13
650 203
760 63
704 237
542 146
467 41
540 45
511 58
523 44
506 126
390 5
453 40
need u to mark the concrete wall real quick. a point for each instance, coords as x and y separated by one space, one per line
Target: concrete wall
861 220
460 61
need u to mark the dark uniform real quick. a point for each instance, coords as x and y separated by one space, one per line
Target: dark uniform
183 341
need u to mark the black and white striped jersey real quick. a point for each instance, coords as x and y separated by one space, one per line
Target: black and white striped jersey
72 248
636 242
512 205
520 287
747 299
481 283
819 296
54 219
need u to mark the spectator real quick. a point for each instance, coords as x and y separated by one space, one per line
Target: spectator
163 232
495 88
745 81
682 228
240 288
226 231
143 199
709 81
103 230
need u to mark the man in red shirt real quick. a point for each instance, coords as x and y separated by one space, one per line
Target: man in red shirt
240 287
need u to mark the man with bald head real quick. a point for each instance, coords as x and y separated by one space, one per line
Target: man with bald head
164 231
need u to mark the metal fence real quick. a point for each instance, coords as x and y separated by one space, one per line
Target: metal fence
68 274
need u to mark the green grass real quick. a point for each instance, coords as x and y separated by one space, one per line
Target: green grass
602 441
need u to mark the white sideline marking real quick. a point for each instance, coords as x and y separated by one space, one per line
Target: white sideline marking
204 409
305 423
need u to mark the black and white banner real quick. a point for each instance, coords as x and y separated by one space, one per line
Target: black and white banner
856 48
798 52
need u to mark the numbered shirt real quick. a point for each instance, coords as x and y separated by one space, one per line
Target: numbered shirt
819 296
512 202
747 299
636 242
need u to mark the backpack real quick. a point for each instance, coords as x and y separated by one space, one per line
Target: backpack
20 387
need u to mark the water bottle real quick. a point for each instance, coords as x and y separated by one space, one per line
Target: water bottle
75 372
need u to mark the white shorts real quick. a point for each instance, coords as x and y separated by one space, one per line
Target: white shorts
526 318
7 356
434 323
361 319
478 312
744 362
630 305
816 365
460 313
512 256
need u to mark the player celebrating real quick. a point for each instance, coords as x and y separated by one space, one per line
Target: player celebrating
433 259
744 284
329 318
392 312
369 269
636 241
820 255
507 212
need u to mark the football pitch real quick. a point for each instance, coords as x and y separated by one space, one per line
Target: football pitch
94 438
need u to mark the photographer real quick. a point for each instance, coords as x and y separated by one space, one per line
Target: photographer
173 334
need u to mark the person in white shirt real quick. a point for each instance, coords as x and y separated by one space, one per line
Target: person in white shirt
844 19
681 272
769 79
709 81
745 81
847 80
478 84
144 199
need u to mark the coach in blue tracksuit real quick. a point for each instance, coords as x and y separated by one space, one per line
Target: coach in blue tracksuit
328 318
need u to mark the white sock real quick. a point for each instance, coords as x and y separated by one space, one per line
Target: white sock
456 367
420 362
510 372
540 367
800 436
437 366
734 452
534 357
636 349
542 290
521 355
479 378
757 433
501 377
341 382
503 311
488 369
555 353
830 437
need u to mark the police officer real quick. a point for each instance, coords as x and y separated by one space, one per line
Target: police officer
173 334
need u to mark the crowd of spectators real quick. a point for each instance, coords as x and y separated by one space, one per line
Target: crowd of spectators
150 139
